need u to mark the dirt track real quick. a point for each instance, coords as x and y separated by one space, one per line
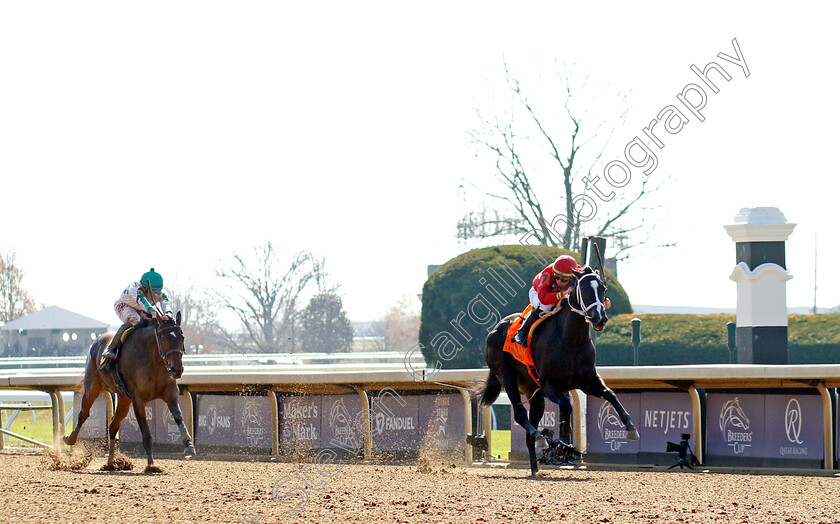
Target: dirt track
215 491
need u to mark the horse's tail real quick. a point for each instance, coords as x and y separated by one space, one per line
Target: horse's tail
79 387
487 391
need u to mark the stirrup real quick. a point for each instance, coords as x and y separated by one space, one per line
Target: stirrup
521 339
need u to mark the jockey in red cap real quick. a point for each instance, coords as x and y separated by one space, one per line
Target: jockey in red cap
550 286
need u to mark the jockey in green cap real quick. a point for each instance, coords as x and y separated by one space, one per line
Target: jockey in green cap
137 303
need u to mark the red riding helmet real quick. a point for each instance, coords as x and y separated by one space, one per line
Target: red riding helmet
565 264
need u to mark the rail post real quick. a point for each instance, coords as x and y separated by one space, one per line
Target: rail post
731 342
368 431
828 424
275 422
488 430
468 426
636 339
579 418
697 423
57 415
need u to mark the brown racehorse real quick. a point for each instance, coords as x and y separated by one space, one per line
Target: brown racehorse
150 362
565 360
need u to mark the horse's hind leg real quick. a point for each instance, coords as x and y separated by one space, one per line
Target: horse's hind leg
93 387
123 404
520 414
172 403
596 387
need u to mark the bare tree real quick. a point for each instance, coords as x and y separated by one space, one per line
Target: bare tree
199 317
15 302
574 148
263 296
401 325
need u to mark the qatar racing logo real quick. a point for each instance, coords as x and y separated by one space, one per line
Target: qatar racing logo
610 426
734 426
793 421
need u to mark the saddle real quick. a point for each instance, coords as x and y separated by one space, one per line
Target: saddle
108 367
517 350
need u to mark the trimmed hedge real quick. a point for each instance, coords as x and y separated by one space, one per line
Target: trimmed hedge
466 291
670 339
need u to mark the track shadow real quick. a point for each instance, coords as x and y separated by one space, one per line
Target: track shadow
539 478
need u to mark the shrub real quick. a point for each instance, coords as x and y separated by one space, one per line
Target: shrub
466 297
669 339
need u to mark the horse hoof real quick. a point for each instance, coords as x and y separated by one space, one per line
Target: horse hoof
633 434
189 450
541 443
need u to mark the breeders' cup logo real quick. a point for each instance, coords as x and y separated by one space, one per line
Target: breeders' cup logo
610 426
252 422
342 425
734 424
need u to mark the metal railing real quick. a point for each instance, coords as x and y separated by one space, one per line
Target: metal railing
821 378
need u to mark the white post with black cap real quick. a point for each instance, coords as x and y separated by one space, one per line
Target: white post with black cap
760 272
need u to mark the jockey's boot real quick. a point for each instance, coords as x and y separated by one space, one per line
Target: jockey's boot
522 334
113 349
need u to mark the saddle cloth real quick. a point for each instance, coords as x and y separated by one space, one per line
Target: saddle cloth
520 352
108 368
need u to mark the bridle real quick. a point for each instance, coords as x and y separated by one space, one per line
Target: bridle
160 331
583 310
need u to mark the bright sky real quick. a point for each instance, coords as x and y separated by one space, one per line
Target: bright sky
174 134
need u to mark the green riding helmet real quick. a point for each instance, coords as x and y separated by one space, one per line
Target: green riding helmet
153 279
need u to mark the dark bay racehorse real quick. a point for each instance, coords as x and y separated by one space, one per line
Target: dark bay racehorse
564 356
149 364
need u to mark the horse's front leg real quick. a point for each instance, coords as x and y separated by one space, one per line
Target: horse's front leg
175 409
123 404
563 401
596 387
565 423
537 405
140 414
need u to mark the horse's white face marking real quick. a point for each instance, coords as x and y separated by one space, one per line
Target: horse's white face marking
597 304
600 304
